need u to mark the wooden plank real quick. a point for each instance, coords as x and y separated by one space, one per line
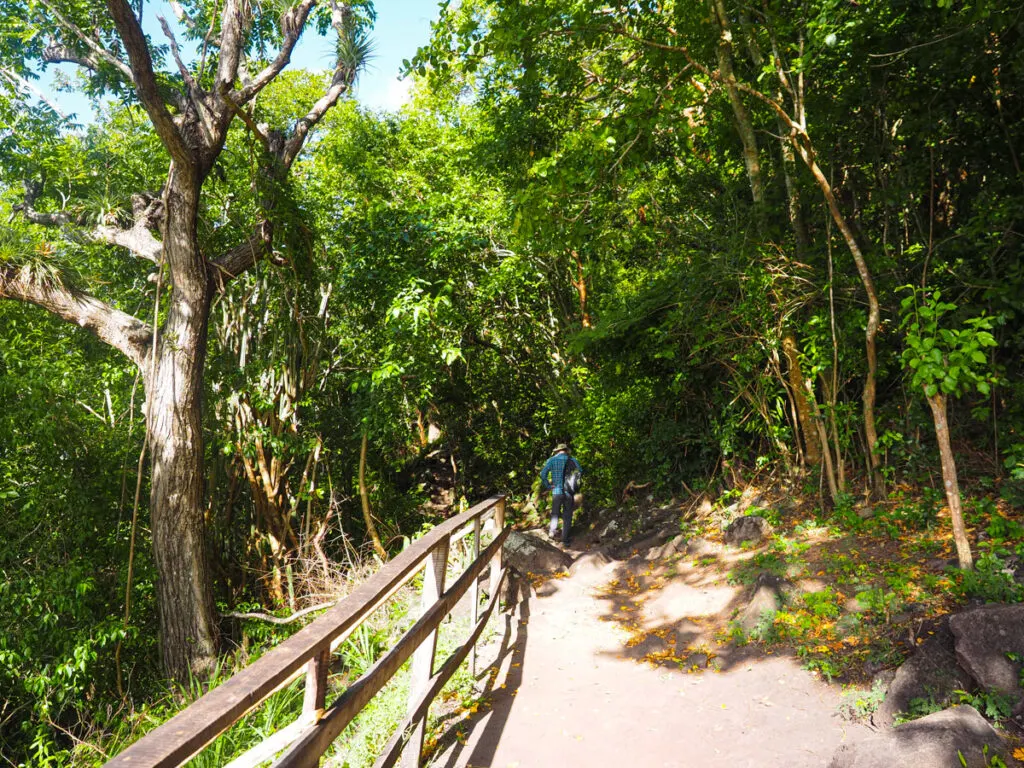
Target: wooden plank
423 658
316 685
397 743
319 737
266 750
499 522
474 594
185 734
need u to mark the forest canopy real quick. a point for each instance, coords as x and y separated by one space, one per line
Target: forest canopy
250 327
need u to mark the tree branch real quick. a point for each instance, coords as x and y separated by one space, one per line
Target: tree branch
185 74
144 78
120 330
97 49
234 23
277 619
23 85
344 76
293 21
240 258
147 213
340 83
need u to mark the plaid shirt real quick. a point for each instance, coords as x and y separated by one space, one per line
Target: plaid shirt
553 474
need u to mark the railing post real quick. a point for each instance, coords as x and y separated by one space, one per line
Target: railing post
423 659
499 524
474 594
316 686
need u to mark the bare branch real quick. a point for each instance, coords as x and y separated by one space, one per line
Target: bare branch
58 219
277 619
234 26
185 74
293 21
93 45
143 77
120 330
181 16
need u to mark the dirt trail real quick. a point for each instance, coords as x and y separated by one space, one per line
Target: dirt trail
566 693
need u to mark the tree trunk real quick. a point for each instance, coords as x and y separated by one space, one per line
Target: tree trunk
744 124
963 547
364 497
188 630
812 442
874 314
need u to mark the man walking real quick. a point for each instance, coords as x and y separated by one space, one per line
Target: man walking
553 476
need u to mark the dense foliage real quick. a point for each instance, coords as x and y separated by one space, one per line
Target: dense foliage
683 236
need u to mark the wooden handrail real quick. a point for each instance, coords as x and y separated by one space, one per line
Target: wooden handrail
308 651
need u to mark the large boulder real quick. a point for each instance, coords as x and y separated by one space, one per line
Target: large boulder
933 672
935 741
528 553
985 638
752 528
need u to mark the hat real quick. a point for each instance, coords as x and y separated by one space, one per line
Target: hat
560 447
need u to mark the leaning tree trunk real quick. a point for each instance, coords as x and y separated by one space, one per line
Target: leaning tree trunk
874 313
188 630
937 402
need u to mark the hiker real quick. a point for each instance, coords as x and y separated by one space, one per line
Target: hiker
560 475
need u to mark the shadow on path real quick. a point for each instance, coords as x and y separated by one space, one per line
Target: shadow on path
499 701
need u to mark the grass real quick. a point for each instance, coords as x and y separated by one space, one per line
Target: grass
364 738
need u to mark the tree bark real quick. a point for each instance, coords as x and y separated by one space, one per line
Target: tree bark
812 443
937 403
744 124
188 629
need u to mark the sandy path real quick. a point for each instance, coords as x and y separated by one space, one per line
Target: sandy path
565 695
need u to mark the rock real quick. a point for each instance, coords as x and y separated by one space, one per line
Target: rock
700 547
984 637
667 549
528 553
610 529
768 597
753 528
590 564
935 741
853 605
933 671
865 513
699 660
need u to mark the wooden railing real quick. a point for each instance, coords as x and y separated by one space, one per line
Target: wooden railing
308 652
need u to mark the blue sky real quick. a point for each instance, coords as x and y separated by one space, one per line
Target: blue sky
402 26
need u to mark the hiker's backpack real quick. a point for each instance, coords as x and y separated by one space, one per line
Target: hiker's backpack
572 478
